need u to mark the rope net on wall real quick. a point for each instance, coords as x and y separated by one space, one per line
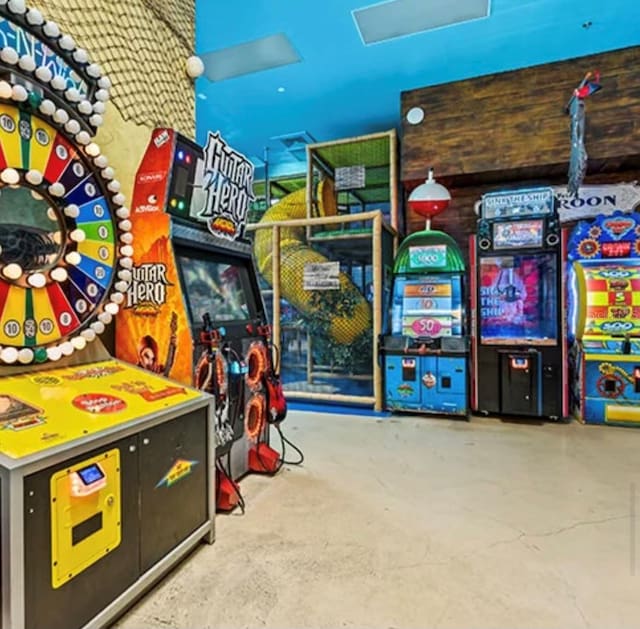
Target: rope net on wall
142 45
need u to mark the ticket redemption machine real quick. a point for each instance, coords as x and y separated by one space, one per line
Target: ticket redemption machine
425 355
517 299
604 319
106 470
194 311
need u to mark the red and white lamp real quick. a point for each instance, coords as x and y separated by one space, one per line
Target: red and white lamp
429 199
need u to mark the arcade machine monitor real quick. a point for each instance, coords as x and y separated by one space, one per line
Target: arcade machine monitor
216 287
518 299
430 308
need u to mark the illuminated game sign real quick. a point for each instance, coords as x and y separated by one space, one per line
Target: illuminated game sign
228 184
613 236
520 203
428 256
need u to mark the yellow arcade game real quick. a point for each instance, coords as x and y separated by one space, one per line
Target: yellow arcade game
106 470
604 319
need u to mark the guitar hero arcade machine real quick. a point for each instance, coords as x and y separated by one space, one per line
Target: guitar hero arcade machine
194 311
517 300
105 469
604 318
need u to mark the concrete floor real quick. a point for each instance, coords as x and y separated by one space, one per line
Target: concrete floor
411 522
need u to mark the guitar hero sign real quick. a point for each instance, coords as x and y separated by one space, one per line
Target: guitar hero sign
228 185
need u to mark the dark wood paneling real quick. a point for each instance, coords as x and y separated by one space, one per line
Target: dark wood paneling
512 126
460 220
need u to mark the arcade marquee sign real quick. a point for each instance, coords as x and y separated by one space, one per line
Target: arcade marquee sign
228 184
595 200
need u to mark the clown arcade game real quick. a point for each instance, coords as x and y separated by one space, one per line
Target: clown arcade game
604 318
194 311
517 300
425 355
105 469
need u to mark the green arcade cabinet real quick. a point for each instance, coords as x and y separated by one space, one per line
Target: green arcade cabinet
425 353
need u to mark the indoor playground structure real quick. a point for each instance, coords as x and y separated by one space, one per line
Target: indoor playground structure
325 252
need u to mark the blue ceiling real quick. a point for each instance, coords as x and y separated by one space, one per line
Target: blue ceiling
343 88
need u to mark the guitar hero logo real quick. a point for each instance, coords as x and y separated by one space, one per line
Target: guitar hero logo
148 288
228 183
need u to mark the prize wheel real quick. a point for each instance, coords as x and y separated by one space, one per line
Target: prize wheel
65 241
255 416
257 362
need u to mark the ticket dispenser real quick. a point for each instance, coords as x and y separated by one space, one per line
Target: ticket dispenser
85 515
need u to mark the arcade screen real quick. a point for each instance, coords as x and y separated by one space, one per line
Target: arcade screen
217 287
429 307
607 299
519 299
518 234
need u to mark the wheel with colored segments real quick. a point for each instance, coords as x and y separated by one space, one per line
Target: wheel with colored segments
65 241
59 240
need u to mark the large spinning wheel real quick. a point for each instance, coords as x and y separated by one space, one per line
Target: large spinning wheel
65 246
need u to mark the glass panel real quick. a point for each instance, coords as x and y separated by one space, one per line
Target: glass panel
519 299
31 232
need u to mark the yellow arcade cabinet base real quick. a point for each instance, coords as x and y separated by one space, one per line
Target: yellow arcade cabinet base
45 409
107 481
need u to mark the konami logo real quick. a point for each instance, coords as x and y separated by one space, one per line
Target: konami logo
153 177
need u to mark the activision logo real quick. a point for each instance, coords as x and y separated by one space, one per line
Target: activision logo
228 182
148 288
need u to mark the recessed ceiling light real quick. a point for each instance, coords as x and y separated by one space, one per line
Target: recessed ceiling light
390 19
254 56
281 90
415 115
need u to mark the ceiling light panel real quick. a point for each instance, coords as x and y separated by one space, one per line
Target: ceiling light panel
399 18
258 55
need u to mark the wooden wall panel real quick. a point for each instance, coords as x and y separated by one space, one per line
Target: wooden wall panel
492 127
460 219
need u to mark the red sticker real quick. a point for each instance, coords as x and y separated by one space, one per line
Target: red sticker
99 403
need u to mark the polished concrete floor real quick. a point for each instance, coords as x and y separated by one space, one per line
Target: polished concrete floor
411 522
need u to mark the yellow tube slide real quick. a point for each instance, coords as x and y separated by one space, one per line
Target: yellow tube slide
295 253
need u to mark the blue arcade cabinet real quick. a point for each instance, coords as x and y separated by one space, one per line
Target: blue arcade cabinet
425 352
